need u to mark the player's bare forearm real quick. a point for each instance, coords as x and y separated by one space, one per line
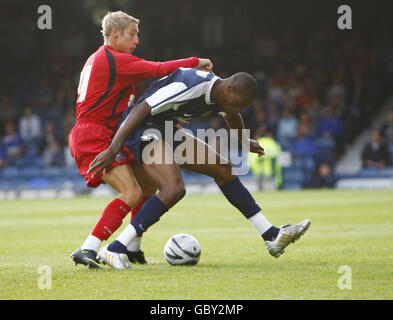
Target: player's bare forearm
131 122
235 121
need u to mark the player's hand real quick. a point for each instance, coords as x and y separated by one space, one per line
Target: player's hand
256 148
102 161
205 65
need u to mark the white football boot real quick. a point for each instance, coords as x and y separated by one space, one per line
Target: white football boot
114 260
287 234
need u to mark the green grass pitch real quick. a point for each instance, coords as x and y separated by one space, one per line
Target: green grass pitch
352 228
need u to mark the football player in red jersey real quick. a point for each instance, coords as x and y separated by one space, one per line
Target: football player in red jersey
105 90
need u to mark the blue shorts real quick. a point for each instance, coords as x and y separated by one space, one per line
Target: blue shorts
146 133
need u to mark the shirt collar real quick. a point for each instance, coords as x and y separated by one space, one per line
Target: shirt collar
209 89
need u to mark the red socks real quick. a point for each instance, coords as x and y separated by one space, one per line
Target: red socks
111 219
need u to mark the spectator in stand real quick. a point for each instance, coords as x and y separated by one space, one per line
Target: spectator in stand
69 119
30 130
12 147
304 98
7 110
336 91
2 158
315 111
49 136
304 146
69 161
331 126
305 120
53 153
44 94
286 129
29 124
273 117
376 153
324 177
387 129
275 92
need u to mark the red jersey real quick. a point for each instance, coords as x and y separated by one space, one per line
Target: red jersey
106 87
105 90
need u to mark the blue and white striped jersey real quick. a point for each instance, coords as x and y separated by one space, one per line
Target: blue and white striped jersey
182 95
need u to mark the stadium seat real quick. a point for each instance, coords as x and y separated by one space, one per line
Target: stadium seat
59 182
307 166
78 182
52 172
18 183
71 172
369 173
10 173
31 172
293 175
386 172
38 183
286 145
3 184
325 151
292 186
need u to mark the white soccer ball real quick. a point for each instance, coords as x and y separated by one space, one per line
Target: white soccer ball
182 249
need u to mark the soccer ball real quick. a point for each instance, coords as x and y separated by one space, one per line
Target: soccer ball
182 249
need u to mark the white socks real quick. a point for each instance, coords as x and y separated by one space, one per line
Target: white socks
260 222
91 243
135 244
128 238
127 235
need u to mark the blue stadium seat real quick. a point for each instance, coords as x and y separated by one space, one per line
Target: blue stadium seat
325 151
293 175
38 183
369 172
52 172
17 183
58 182
30 172
386 172
307 166
292 186
71 172
78 181
286 145
3 184
10 173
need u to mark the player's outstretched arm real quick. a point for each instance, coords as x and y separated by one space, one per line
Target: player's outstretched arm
141 69
235 121
131 122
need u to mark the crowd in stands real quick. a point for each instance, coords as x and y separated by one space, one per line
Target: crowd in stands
315 93
378 153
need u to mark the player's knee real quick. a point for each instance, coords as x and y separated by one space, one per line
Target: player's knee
178 191
149 191
132 197
174 192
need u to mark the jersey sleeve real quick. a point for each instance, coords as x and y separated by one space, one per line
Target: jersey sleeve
140 69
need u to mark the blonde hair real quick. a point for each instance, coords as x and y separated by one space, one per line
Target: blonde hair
118 19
